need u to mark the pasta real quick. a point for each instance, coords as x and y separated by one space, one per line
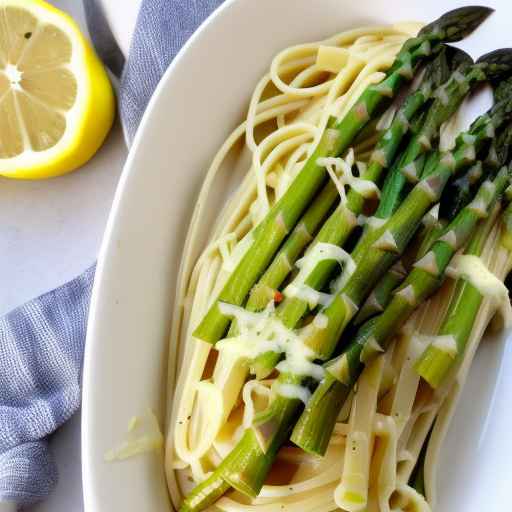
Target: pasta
383 428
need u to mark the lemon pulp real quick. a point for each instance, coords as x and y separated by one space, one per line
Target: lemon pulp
56 103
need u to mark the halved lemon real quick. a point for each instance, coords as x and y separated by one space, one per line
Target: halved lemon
56 101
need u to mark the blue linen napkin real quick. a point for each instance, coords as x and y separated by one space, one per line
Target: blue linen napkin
42 342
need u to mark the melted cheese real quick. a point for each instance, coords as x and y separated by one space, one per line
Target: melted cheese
473 269
144 436
340 171
300 365
309 295
263 332
320 252
293 391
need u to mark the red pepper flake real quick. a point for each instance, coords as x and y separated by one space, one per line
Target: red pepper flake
278 297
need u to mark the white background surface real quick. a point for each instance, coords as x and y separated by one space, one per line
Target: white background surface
51 231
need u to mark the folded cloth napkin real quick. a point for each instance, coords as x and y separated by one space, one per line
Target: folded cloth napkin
42 342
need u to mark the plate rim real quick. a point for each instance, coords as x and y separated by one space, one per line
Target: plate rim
107 240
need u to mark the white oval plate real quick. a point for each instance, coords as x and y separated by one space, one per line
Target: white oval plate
202 96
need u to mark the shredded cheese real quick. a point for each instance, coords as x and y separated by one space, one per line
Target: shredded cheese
307 294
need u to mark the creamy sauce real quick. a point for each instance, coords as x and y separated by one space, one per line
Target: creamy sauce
473 269
293 391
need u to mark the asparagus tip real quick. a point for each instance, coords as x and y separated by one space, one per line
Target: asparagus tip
497 63
458 23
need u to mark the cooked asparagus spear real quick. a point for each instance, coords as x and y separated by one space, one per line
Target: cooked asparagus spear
284 215
490 66
314 428
457 192
456 88
455 196
381 294
435 363
381 250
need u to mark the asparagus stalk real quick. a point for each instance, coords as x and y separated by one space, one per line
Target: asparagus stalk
448 99
434 364
448 61
495 64
283 216
268 285
314 428
382 293
455 196
436 72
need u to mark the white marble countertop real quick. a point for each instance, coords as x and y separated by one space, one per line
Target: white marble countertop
51 231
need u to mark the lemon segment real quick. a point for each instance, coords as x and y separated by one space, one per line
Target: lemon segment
56 101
